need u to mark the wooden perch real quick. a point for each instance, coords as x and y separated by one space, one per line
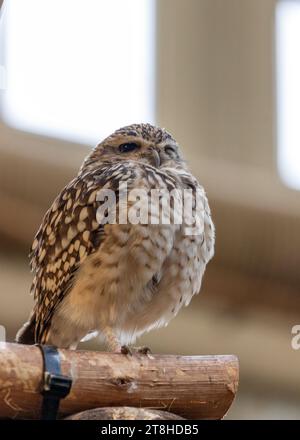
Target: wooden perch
124 413
193 387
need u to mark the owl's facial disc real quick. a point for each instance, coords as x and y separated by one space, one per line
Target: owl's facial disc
138 142
142 150
148 150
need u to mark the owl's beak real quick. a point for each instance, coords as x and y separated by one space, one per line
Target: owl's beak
156 157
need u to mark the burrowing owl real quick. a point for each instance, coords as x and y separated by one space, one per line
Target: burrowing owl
112 279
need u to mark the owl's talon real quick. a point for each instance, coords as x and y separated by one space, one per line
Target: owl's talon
143 350
125 349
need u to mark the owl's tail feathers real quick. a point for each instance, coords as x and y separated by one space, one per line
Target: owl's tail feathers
26 333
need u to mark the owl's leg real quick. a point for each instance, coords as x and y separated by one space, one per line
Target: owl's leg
112 342
114 345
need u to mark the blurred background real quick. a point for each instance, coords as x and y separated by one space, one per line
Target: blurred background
223 77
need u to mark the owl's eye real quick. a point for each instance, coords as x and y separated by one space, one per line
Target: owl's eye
127 147
170 151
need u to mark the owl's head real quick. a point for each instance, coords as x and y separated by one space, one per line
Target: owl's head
139 142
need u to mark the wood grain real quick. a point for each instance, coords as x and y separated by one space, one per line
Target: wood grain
193 387
124 413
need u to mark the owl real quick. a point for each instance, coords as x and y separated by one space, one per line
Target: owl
118 279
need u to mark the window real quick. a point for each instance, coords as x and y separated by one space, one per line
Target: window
2 78
288 71
78 70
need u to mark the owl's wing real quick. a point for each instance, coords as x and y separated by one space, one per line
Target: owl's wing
68 234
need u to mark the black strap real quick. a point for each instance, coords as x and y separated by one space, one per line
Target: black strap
55 386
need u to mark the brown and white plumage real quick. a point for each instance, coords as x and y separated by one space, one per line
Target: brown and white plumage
118 280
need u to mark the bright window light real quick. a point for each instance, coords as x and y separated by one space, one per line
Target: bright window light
288 72
77 69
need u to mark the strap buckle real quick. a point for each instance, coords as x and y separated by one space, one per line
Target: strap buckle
56 384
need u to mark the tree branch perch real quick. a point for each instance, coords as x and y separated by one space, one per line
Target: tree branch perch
193 387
